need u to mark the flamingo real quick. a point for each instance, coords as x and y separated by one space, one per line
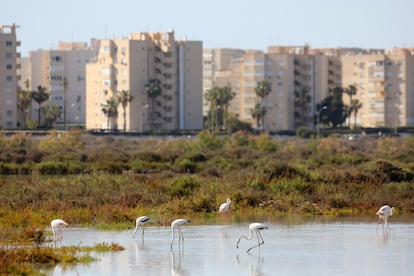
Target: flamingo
140 222
177 224
254 227
57 225
224 207
383 213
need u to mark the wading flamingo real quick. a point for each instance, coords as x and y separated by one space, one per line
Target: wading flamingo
254 227
224 208
140 222
383 213
177 224
57 225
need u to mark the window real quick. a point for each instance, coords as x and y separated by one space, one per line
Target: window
9 55
9 43
56 58
9 67
9 78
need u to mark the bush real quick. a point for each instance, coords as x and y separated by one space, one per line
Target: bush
305 132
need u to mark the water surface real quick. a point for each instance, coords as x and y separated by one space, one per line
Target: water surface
334 247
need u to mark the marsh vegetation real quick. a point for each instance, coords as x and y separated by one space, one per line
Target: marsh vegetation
108 181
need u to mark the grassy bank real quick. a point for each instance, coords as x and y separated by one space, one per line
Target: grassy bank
108 182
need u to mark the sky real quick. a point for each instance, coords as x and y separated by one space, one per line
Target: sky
242 24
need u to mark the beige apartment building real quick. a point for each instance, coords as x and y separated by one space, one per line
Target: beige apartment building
385 85
216 66
9 67
62 72
287 69
129 63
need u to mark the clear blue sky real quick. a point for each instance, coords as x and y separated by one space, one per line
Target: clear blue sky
245 24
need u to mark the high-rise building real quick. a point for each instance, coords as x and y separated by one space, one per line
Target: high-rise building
62 72
129 64
385 86
9 66
290 70
216 66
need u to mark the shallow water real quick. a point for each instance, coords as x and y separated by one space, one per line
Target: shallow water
336 247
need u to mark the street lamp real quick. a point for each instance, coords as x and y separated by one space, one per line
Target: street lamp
318 120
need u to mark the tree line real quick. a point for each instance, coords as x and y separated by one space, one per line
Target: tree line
330 112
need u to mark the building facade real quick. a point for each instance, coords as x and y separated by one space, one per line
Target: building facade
62 73
290 70
129 64
385 86
9 78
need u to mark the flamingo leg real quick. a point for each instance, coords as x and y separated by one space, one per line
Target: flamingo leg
261 238
258 242
172 238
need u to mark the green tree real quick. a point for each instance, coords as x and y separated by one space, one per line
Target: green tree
110 110
335 113
257 112
24 101
51 114
262 90
153 89
213 97
124 98
225 97
40 96
355 107
351 90
302 101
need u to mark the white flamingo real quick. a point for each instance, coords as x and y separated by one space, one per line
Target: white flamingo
383 213
57 225
224 208
177 224
254 227
140 222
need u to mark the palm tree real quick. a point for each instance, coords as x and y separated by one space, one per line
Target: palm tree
213 97
40 96
24 101
110 110
225 97
153 90
302 100
124 98
351 90
51 115
355 107
263 89
257 113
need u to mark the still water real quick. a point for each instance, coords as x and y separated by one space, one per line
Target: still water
335 247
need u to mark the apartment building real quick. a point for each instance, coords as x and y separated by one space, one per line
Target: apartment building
287 69
216 65
62 72
9 66
129 64
385 85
